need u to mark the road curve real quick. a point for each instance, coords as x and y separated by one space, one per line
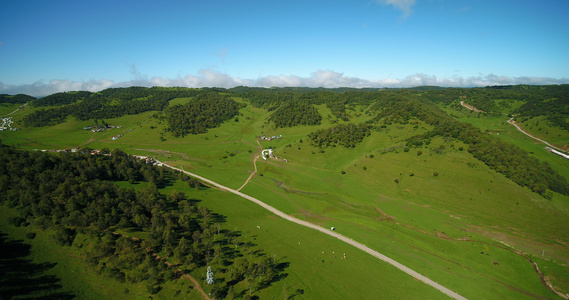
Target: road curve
512 122
345 239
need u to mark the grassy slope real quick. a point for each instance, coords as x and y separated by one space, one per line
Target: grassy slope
6 108
466 201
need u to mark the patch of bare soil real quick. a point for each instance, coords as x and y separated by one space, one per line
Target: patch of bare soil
281 185
384 216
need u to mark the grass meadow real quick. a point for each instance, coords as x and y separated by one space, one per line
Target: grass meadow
467 227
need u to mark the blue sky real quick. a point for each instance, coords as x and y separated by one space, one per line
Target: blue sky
49 46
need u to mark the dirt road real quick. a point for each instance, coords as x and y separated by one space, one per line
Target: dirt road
345 239
23 106
512 122
470 107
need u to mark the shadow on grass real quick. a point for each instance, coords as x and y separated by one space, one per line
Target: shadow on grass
22 278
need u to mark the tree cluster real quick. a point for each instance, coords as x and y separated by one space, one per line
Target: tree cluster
59 99
347 135
207 110
294 113
75 194
555 108
109 103
16 99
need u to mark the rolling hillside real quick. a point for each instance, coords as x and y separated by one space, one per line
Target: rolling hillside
460 197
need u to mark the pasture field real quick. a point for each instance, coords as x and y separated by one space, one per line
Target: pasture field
468 227
412 219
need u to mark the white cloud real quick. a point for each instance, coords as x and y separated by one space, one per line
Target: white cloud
39 89
404 5
320 78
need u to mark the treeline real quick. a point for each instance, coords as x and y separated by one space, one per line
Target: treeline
16 99
94 109
555 109
59 99
109 103
75 195
538 98
278 98
207 110
347 135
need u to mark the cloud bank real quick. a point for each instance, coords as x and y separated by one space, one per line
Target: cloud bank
320 78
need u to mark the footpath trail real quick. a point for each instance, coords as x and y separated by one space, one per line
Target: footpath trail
254 164
345 239
251 175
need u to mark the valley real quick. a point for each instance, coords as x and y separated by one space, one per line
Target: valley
383 168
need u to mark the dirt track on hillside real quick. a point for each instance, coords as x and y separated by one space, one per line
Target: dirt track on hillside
345 239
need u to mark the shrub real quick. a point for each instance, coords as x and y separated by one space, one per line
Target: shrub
16 221
436 174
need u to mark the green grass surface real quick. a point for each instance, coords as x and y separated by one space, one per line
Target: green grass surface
462 228
6 108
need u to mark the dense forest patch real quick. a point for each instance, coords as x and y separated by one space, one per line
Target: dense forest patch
556 111
109 103
59 99
74 195
294 113
16 99
207 110
347 135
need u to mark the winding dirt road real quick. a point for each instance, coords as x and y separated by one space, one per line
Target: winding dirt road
512 122
23 106
345 239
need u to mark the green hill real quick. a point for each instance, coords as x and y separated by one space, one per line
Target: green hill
461 197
